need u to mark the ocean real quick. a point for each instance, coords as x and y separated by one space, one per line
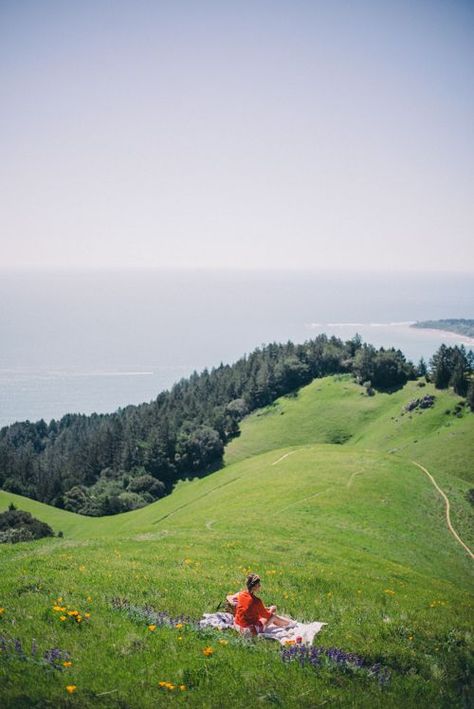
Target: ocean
79 342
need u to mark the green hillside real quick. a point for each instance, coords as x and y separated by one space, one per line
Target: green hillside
319 495
336 410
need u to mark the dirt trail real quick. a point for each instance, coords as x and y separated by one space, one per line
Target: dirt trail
283 457
448 518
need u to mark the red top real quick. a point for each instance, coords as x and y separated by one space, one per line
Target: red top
249 610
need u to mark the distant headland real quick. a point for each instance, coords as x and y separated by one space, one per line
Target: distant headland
460 326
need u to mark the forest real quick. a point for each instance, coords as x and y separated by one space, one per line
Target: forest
104 464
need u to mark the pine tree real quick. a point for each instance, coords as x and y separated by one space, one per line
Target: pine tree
460 369
441 367
421 369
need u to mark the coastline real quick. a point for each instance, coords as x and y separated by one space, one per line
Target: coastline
465 339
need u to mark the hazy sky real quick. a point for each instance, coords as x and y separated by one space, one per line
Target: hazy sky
316 134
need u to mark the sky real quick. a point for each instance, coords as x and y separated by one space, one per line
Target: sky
264 134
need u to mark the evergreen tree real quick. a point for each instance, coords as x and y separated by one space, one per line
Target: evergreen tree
460 370
440 366
421 369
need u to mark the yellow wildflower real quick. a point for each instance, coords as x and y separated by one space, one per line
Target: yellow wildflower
167 685
2 611
208 651
89 599
71 688
57 608
182 687
179 637
223 642
179 626
87 615
63 618
67 664
152 627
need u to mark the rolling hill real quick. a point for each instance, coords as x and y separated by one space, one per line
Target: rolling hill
321 496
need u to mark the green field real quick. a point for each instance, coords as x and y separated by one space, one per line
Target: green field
319 495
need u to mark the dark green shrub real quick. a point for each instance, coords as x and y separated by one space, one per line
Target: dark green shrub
19 526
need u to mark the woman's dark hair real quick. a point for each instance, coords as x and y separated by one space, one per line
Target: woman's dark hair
252 580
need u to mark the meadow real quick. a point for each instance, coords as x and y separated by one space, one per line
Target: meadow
320 495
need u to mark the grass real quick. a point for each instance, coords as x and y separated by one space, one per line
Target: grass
351 534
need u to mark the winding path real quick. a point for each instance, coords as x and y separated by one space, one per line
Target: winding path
283 457
448 518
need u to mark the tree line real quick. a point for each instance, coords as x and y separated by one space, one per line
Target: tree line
104 464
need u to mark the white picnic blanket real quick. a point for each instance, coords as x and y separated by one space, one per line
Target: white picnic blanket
305 631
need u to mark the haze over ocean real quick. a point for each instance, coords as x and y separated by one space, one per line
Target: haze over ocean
250 135
97 340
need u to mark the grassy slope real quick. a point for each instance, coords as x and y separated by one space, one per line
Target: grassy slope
349 534
334 409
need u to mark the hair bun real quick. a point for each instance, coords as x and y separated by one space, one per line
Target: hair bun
252 580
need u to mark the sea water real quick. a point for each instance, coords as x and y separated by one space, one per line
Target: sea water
95 341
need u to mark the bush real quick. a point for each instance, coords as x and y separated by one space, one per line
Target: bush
149 484
198 448
14 535
131 501
19 526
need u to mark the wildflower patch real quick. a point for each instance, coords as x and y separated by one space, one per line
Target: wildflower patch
150 616
67 614
170 686
53 658
318 657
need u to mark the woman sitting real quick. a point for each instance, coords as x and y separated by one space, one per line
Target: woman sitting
251 616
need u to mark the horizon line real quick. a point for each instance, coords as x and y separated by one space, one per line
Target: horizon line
225 269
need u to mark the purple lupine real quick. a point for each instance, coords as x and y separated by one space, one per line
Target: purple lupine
337 656
13 647
54 656
149 615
